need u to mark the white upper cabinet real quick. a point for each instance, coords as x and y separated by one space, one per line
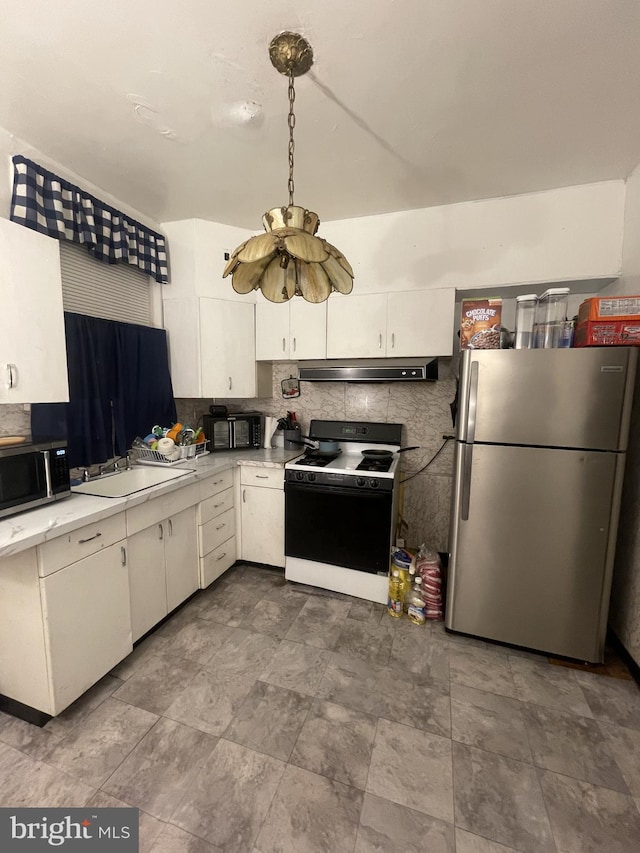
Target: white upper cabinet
227 349
211 328
290 331
33 355
379 325
420 323
357 326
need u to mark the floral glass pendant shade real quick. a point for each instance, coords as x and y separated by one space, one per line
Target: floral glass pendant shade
289 259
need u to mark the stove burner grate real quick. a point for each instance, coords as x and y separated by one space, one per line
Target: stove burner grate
318 460
373 464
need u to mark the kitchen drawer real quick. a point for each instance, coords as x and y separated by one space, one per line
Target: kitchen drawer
67 549
215 532
253 475
217 483
183 498
145 515
215 506
217 561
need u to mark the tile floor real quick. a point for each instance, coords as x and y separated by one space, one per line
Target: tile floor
266 717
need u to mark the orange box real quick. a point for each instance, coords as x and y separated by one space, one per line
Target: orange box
609 308
600 333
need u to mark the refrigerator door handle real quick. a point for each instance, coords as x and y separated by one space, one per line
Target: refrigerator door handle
465 493
472 403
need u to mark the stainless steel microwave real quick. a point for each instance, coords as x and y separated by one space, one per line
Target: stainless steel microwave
233 431
32 475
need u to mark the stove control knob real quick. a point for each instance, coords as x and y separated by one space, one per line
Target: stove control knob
360 481
312 478
299 475
374 483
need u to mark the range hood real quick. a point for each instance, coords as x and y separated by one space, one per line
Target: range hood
370 370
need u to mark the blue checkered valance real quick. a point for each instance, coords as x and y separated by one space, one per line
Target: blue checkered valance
47 203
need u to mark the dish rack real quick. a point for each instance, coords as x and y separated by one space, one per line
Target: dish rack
147 456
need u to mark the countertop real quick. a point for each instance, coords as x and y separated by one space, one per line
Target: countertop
35 526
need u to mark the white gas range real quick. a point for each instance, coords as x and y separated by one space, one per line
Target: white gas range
340 509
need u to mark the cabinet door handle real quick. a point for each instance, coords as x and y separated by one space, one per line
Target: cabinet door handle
224 554
220 526
283 343
161 534
393 340
90 539
170 527
230 383
244 496
380 341
12 376
123 555
294 344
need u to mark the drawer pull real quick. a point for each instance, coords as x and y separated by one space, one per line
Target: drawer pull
262 476
220 526
90 539
123 555
224 554
215 506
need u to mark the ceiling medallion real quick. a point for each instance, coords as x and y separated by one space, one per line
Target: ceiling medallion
289 260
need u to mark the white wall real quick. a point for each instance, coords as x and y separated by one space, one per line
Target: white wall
564 234
196 254
10 145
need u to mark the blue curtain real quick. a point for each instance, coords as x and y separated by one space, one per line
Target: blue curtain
119 387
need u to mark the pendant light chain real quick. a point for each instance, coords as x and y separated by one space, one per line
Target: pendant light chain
292 124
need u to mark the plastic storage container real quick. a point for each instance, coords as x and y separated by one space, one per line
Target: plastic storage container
551 314
525 320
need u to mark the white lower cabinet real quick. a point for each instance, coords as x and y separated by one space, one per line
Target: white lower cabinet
163 569
262 515
163 556
216 527
87 622
147 580
64 615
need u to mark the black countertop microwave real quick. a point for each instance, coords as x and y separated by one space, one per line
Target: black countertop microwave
233 431
32 475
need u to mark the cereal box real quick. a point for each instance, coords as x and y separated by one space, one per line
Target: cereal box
480 324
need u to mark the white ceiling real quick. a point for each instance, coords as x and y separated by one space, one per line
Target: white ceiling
410 103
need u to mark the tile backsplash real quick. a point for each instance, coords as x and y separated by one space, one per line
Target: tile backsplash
423 409
15 420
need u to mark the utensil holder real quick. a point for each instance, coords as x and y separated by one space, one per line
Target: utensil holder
292 440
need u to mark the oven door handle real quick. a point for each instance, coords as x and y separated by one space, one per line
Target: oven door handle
313 489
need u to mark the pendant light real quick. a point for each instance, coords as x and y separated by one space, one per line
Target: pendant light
289 260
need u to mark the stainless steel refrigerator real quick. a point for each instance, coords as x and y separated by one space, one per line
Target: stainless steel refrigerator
539 462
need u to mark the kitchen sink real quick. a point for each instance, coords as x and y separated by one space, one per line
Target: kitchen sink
128 482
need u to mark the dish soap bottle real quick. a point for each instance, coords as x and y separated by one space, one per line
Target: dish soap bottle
395 601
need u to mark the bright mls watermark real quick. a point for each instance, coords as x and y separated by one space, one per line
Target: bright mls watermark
69 830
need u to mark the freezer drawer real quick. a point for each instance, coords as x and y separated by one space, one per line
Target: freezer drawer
552 398
532 543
